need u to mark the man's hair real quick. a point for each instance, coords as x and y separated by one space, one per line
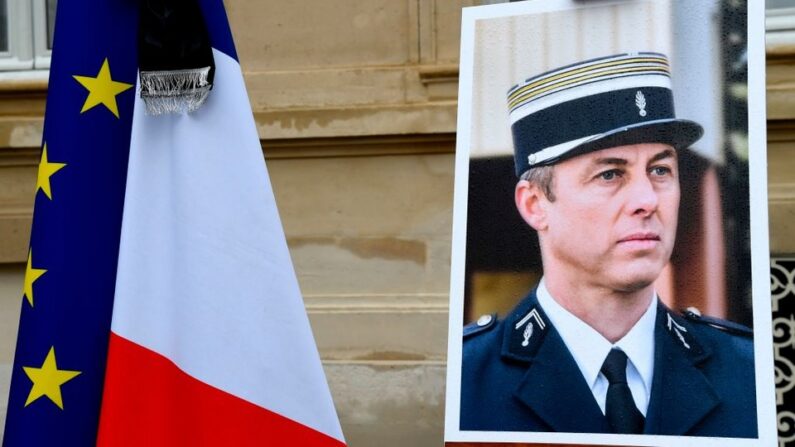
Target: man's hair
542 177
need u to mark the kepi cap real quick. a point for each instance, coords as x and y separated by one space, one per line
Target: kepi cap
596 104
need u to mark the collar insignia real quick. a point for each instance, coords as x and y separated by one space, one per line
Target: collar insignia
524 330
528 330
678 330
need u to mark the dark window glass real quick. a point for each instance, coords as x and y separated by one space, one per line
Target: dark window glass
50 21
771 4
3 26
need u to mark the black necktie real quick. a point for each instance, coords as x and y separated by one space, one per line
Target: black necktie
622 414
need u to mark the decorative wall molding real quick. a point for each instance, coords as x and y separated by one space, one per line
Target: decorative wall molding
380 328
371 302
359 146
781 193
357 121
781 130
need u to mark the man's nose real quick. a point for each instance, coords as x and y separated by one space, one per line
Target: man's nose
643 198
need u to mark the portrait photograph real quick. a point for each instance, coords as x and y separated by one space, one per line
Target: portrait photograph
609 278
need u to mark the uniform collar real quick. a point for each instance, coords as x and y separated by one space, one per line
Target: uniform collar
529 337
679 381
589 348
552 384
524 330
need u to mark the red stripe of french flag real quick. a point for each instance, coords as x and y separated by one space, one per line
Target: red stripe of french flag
171 408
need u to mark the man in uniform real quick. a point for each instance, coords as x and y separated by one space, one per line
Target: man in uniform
593 349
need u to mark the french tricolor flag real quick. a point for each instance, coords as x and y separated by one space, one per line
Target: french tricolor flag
209 341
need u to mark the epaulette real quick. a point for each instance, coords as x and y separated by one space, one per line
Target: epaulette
694 315
484 323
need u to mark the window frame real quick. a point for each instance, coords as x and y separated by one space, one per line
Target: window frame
27 37
780 26
20 49
41 52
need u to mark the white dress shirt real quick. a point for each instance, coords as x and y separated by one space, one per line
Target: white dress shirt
589 349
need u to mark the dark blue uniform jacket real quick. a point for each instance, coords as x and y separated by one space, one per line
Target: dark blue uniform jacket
520 378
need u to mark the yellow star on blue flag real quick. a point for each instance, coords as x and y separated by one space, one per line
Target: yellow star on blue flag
46 170
47 380
102 89
31 275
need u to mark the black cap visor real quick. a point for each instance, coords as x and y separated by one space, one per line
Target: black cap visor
674 132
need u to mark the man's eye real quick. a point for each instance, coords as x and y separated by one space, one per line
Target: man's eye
609 175
660 170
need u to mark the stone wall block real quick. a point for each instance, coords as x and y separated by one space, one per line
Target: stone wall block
389 404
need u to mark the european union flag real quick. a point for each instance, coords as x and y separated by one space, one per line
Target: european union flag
202 265
56 385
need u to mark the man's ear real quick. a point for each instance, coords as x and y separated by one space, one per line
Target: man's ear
531 203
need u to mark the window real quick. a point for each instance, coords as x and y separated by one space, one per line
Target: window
3 27
776 4
780 22
26 29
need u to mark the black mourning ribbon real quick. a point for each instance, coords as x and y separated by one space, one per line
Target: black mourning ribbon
622 414
173 36
174 56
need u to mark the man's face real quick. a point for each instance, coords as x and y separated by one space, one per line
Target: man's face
613 222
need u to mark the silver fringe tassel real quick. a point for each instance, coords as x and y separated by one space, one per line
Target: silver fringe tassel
174 91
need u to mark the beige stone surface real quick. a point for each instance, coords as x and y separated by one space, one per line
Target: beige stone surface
370 239
351 68
400 196
380 328
345 55
446 23
341 88
20 131
437 117
389 404
17 192
11 277
359 225
781 86
311 33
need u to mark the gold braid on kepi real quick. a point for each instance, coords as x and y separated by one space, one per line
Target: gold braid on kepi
596 104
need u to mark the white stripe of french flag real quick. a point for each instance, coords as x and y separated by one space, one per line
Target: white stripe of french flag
210 341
